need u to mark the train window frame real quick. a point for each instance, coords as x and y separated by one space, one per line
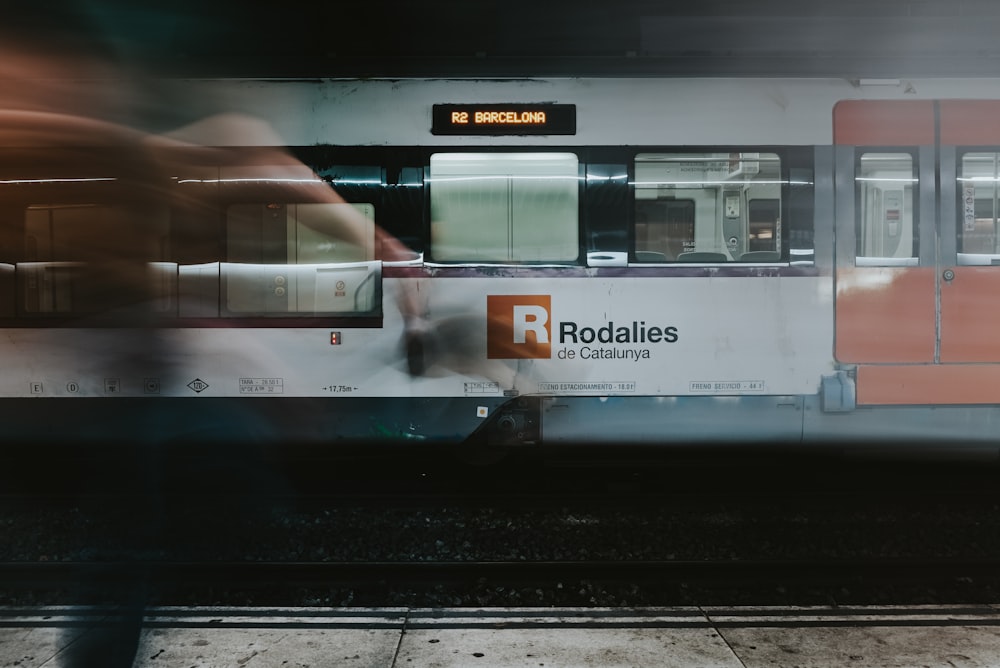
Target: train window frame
861 231
730 231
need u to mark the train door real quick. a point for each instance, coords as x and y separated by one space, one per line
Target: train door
970 276
916 241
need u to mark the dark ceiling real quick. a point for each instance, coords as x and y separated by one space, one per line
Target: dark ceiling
515 38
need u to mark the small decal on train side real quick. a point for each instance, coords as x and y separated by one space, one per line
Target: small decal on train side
262 385
198 385
726 386
482 387
594 387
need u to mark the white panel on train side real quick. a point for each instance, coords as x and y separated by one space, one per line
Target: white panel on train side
637 111
606 336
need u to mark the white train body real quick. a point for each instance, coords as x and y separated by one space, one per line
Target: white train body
729 260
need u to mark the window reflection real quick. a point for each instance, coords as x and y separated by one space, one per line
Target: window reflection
887 232
711 207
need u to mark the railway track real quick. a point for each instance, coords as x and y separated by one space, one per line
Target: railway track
551 535
402 478
174 575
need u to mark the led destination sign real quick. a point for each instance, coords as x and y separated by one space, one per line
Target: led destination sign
504 119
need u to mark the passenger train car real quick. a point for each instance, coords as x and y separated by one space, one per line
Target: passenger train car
647 261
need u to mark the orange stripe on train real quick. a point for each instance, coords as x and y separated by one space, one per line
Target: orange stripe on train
925 384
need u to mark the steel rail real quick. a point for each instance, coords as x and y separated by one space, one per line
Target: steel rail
31 575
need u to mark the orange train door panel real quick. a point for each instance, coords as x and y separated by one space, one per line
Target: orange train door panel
883 123
970 315
969 122
885 300
940 384
928 333
885 315
970 295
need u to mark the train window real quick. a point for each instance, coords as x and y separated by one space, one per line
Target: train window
300 233
979 234
95 258
504 207
299 258
886 232
707 207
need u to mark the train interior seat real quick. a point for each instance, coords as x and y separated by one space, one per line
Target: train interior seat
760 256
8 290
702 256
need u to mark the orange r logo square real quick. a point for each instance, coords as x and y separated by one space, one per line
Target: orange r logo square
518 326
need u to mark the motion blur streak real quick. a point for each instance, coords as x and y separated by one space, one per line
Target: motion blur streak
64 93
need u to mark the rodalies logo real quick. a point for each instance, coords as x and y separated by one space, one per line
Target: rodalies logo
521 327
518 326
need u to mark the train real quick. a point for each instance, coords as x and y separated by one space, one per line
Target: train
510 262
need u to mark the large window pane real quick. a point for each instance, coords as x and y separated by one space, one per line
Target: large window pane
886 233
980 204
299 258
707 207
504 207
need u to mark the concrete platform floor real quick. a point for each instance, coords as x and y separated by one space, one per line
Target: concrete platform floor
684 637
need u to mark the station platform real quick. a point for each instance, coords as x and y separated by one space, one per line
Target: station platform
683 637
